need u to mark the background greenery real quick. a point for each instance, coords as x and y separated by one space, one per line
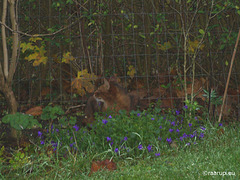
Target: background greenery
140 39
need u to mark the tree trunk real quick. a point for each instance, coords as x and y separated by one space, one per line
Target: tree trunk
12 104
8 67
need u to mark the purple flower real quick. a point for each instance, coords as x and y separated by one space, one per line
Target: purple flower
42 142
201 135
159 138
169 140
140 147
152 119
54 144
181 138
76 127
111 143
195 118
192 135
57 130
185 106
171 130
108 139
188 144
173 123
71 145
104 121
160 127
177 130
190 124
125 138
110 117
39 133
220 124
138 114
149 148
185 135
203 128
157 154
116 150
177 112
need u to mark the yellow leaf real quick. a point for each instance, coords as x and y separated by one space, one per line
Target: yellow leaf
26 46
131 71
67 57
34 39
193 45
36 53
83 82
166 45
32 56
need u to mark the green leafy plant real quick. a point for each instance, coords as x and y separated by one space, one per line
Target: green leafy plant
213 96
190 110
64 121
51 113
146 133
19 159
21 121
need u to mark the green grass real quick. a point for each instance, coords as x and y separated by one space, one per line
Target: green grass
216 152
219 153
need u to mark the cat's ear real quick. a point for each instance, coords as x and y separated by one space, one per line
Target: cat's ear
106 84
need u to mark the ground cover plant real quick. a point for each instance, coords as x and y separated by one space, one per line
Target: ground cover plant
152 143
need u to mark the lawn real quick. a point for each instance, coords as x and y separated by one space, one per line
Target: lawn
142 145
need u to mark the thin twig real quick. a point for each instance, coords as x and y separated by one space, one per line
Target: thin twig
38 35
229 75
73 107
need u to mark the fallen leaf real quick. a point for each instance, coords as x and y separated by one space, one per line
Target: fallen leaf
35 111
100 165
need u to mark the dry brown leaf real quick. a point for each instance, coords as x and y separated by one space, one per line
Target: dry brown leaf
35 111
99 165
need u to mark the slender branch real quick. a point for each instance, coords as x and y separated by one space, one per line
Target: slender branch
197 50
4 41
15 49
229 75
37 35
194 15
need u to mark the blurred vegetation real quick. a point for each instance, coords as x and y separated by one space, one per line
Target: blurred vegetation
144 39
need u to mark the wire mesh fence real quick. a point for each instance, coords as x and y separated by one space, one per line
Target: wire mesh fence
150 47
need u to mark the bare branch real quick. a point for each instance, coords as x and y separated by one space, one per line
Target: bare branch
37 35
229 75
4 41
15 46
193 18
